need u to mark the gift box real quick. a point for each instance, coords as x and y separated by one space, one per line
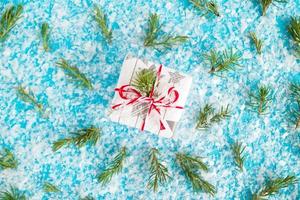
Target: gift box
149 96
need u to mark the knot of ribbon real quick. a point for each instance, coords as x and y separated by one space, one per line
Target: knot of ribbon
132 95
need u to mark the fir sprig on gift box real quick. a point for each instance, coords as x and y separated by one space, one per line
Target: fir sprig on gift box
294 30
81 137
208 116
45 34
12 193
9 20
295 110
191 167
159 173
273 187
257 42
260 99
208 7
157 39
265 4
238 154
144 81
7 160
50 188
222 61
101 20
74 74
115 167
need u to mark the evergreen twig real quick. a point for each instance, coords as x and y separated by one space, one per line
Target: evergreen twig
257 42
152 35
295 111
294 30
45 33
238 151
74 74
87 198
49 187
8 160
28 97
144 81
159 173
12 194
259 100
114 167
273 186
265 4
101 20
191 166
9 20
209 7
81 137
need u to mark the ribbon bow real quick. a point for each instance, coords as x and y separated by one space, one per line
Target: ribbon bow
131 96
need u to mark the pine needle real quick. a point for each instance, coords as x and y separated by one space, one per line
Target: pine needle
209 7
8 160
9 20
258 43
294 30
239 158
101 20
273 187
144 81
81 137
208 116
165 41
221 62
45 33
115 167
74 74
28 97
259 100
159 173
12 194
295 111
49 187
265 4
191 166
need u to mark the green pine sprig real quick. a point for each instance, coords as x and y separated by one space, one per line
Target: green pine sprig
295 111
87 198
208 116
144 81
265 4
28 97
74 74
159 173
50 188
191 167
81 137
257 42
294 31
8 160
274 186
115 167
209 7
12 193
152 38
238 151
101 20
45 33
260 100
9 20
222 61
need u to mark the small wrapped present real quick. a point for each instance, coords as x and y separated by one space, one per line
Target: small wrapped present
149 96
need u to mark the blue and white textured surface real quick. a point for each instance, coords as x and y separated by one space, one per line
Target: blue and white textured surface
272 145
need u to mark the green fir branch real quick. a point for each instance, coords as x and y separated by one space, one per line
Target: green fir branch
101 20
45 33
265 4
191 166
273 186
8 160
159 173
222 61
209 7
224 113
50 188
294 31
295 111
257 42
74 74
238 151
28 97
144 81
87 198
9 20
114 168
12 194
152 38
81 137
260 100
